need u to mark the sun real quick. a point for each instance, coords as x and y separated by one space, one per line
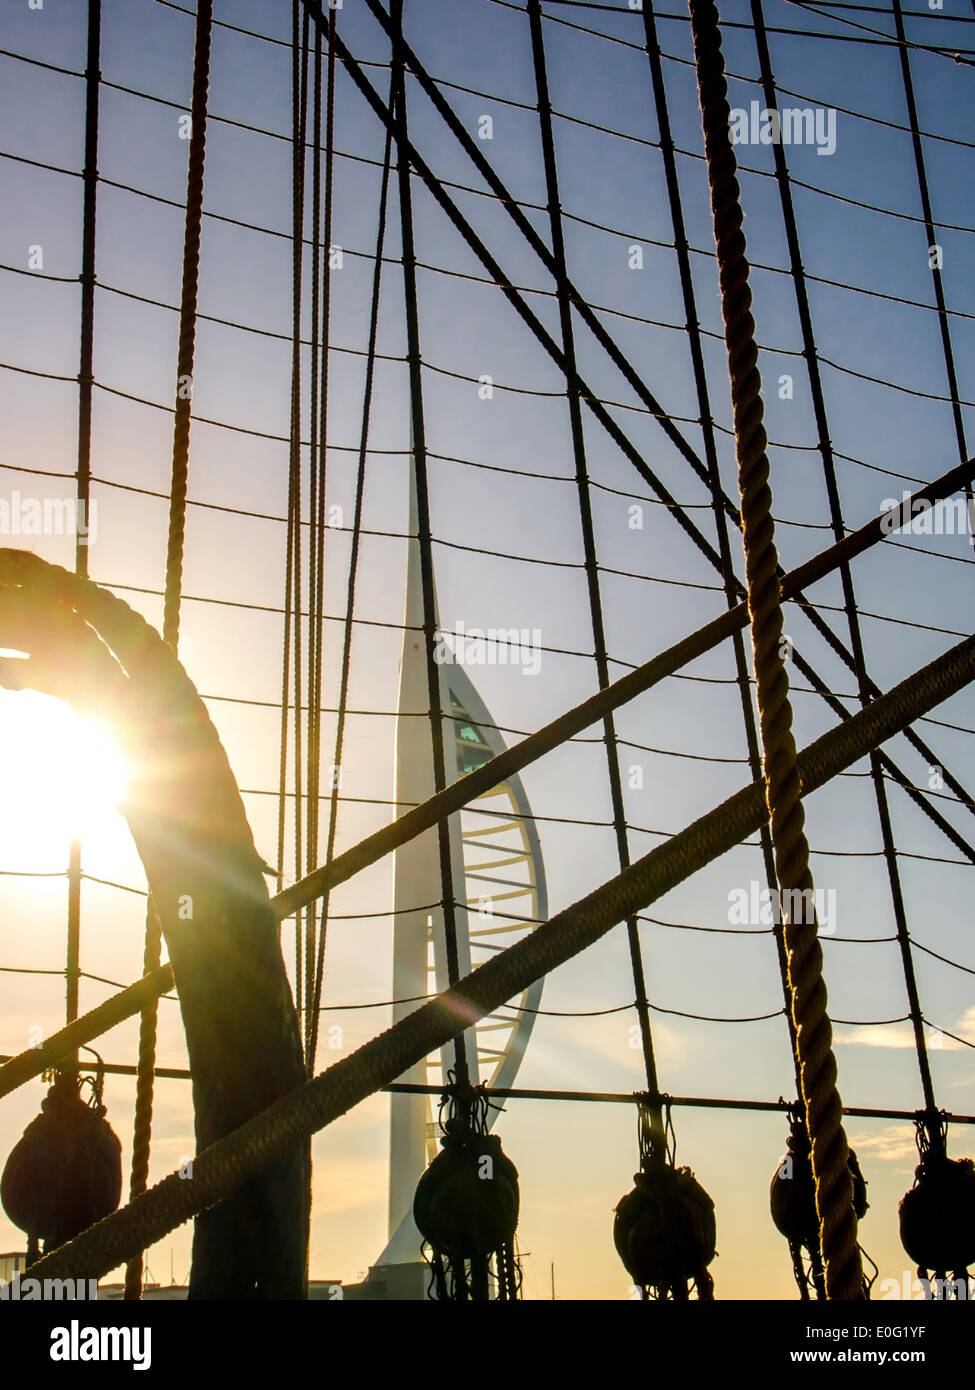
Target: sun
61 775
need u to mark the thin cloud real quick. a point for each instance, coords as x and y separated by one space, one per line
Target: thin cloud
901 1035
893 1145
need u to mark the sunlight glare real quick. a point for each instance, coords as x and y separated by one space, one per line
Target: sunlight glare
62 775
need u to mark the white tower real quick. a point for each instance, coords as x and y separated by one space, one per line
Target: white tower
491 912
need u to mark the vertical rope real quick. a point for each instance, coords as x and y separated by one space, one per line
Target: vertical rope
351 589
187 322
86 367
589 547
299 143
817 1064
731 585
72 964
144 1091
811 359
939 294
320 311
292 576
315 412
299 160
419 458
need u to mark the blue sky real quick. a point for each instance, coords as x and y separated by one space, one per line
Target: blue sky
576 1160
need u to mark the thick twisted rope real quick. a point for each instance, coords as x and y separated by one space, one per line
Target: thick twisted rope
185 357
144 1094
187 321
261 1141
813 1031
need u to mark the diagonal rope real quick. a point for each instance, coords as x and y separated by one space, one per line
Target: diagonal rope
814 1047
510 204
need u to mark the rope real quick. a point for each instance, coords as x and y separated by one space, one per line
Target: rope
520 755
589 541
299 150
514 759
357 532
849 595
144 1095
190 828
145 1080
951 372
86 378
226 1164
398 124
321 298
606 341
86 365
187 322
101 1019
695 344
817 1065
292 574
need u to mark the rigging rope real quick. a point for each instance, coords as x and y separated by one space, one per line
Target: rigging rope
711 456
846 578
498 769
292 581
817 1064
86 378
321 297
398 122
603 337
145 1076
226 1164
929 226
589 547
346 670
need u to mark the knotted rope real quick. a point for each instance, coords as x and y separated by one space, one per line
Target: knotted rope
814 1035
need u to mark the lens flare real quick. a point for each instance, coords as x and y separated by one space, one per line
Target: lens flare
61 775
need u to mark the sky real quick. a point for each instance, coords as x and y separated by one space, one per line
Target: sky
502 486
